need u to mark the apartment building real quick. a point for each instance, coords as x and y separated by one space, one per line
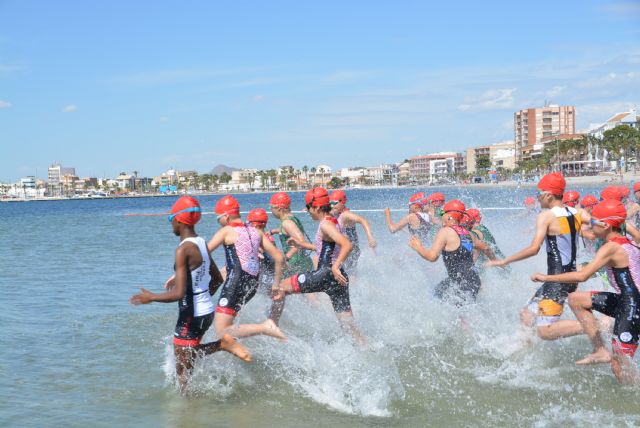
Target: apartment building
531 125
433 167
501 155
57 171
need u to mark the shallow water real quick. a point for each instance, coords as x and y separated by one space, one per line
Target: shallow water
76 353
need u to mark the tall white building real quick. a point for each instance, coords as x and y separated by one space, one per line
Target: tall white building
57 171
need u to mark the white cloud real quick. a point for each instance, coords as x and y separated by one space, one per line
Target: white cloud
258 98
164 119
555 91
5 104
627 10
493 99
70 108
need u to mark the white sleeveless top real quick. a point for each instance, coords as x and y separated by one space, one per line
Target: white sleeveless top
200 278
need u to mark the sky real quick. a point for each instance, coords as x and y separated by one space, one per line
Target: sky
111 86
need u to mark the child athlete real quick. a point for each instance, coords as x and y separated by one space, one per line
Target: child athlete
196 279
456 245
258 218
296 260
622 261
559 226
333 248
348 221
242 244
418 222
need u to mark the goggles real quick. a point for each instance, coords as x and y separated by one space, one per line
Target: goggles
186 210
595 222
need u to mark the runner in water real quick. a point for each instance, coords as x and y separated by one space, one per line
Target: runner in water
297 260
622 261
559 227
482 233
530 204
196 279
418 222
456 245
242 243
333 248
348 221
258 218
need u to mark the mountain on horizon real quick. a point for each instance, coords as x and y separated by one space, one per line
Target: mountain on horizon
221 169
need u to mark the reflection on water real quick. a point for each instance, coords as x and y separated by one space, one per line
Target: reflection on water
77 353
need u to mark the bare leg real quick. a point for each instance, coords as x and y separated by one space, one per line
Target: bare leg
224 325
277 306
348 325
559 329
226 343
185 357
580 303
624 370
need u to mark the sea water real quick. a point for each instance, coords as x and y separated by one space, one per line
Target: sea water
76 353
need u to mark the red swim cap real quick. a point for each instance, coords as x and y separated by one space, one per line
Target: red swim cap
186 210
475 215
280 200
610 211
611 192
529 200
454 208
588 201
571 198
417 198
636 187
437 197
258 216
624 191
227 205
338 196
317 197
553 183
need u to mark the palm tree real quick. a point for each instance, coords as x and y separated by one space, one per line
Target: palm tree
305 169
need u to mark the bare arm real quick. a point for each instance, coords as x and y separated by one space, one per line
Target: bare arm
633 231
174 293
394 227
602 257
290 228
365 225
542 224
216 277
278 258
216 240
482 246
438 245
331 230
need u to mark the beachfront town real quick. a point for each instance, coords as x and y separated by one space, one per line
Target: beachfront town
545 139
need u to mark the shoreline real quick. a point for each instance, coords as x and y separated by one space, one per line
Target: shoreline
629 179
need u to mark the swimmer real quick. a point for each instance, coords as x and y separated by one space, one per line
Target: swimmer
559 226
417 221
622 261
258 218
333 248
296 260
242 244
196 279
456 245
484 235
530 204
348 220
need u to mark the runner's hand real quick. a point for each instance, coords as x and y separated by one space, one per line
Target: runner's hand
415 243
495 263
171 282
538 277
373 243
142 298
293 242
337 274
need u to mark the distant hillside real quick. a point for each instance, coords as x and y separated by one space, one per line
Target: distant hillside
220 169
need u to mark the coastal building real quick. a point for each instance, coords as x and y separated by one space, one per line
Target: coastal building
499 155
531 125
630 118
320 175
404 172
57 171
125 181
433 167
26 187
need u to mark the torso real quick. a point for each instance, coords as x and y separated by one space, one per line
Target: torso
245 250
197 300
562 247
326 250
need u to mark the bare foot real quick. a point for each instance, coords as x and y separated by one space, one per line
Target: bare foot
230 344
599 357
271 329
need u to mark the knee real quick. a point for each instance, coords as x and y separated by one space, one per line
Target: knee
574 301
544 333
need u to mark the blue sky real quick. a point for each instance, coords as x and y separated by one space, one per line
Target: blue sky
110 86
